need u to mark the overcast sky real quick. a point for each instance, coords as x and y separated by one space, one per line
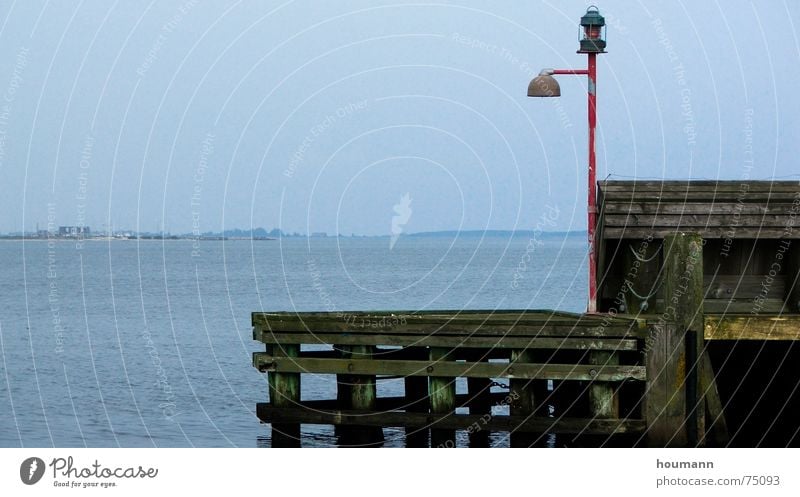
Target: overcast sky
322 115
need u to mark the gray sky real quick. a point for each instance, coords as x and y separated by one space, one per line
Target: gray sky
320 116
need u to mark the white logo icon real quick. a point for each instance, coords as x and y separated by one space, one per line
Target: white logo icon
403 214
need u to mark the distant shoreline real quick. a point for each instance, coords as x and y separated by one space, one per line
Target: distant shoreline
215 238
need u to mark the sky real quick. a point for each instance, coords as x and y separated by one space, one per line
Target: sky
311 116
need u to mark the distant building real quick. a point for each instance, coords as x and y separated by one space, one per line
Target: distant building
319 234
73 231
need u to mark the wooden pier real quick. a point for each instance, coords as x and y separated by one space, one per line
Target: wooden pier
688 272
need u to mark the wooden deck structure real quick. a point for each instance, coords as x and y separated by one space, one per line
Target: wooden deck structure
682 266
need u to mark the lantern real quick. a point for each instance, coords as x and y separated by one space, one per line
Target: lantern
592 39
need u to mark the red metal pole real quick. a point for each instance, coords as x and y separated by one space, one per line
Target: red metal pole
592 307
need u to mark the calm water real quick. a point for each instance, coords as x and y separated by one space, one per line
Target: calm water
148 343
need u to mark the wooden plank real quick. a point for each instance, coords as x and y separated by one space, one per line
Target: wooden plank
264 362
699 185
687 221
400 403
398 320
683 296
269 414
768 306
741 232
665 397
494 332
700 196
742 286
600 330
507 342
715 208
750 327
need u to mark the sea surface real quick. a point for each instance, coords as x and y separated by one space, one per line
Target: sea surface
143 343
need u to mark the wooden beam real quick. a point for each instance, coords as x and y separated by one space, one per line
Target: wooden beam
463 341
750 327
741 232
516 323
264 362
270 414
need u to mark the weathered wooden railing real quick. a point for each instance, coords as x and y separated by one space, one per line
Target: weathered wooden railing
590 358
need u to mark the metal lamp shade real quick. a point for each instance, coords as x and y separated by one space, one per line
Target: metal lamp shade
544 85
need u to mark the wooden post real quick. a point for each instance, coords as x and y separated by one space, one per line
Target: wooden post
683 296
793 276
284 391
665 394
718 426
480 403
416 391
363 397
522 399
343 391
603 399
442 394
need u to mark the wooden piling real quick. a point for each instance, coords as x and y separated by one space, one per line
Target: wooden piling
522 402
480 403
603 398
284 391
716 426
479 392
416 399
683 295
363 394
442 394
665 392
793 276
